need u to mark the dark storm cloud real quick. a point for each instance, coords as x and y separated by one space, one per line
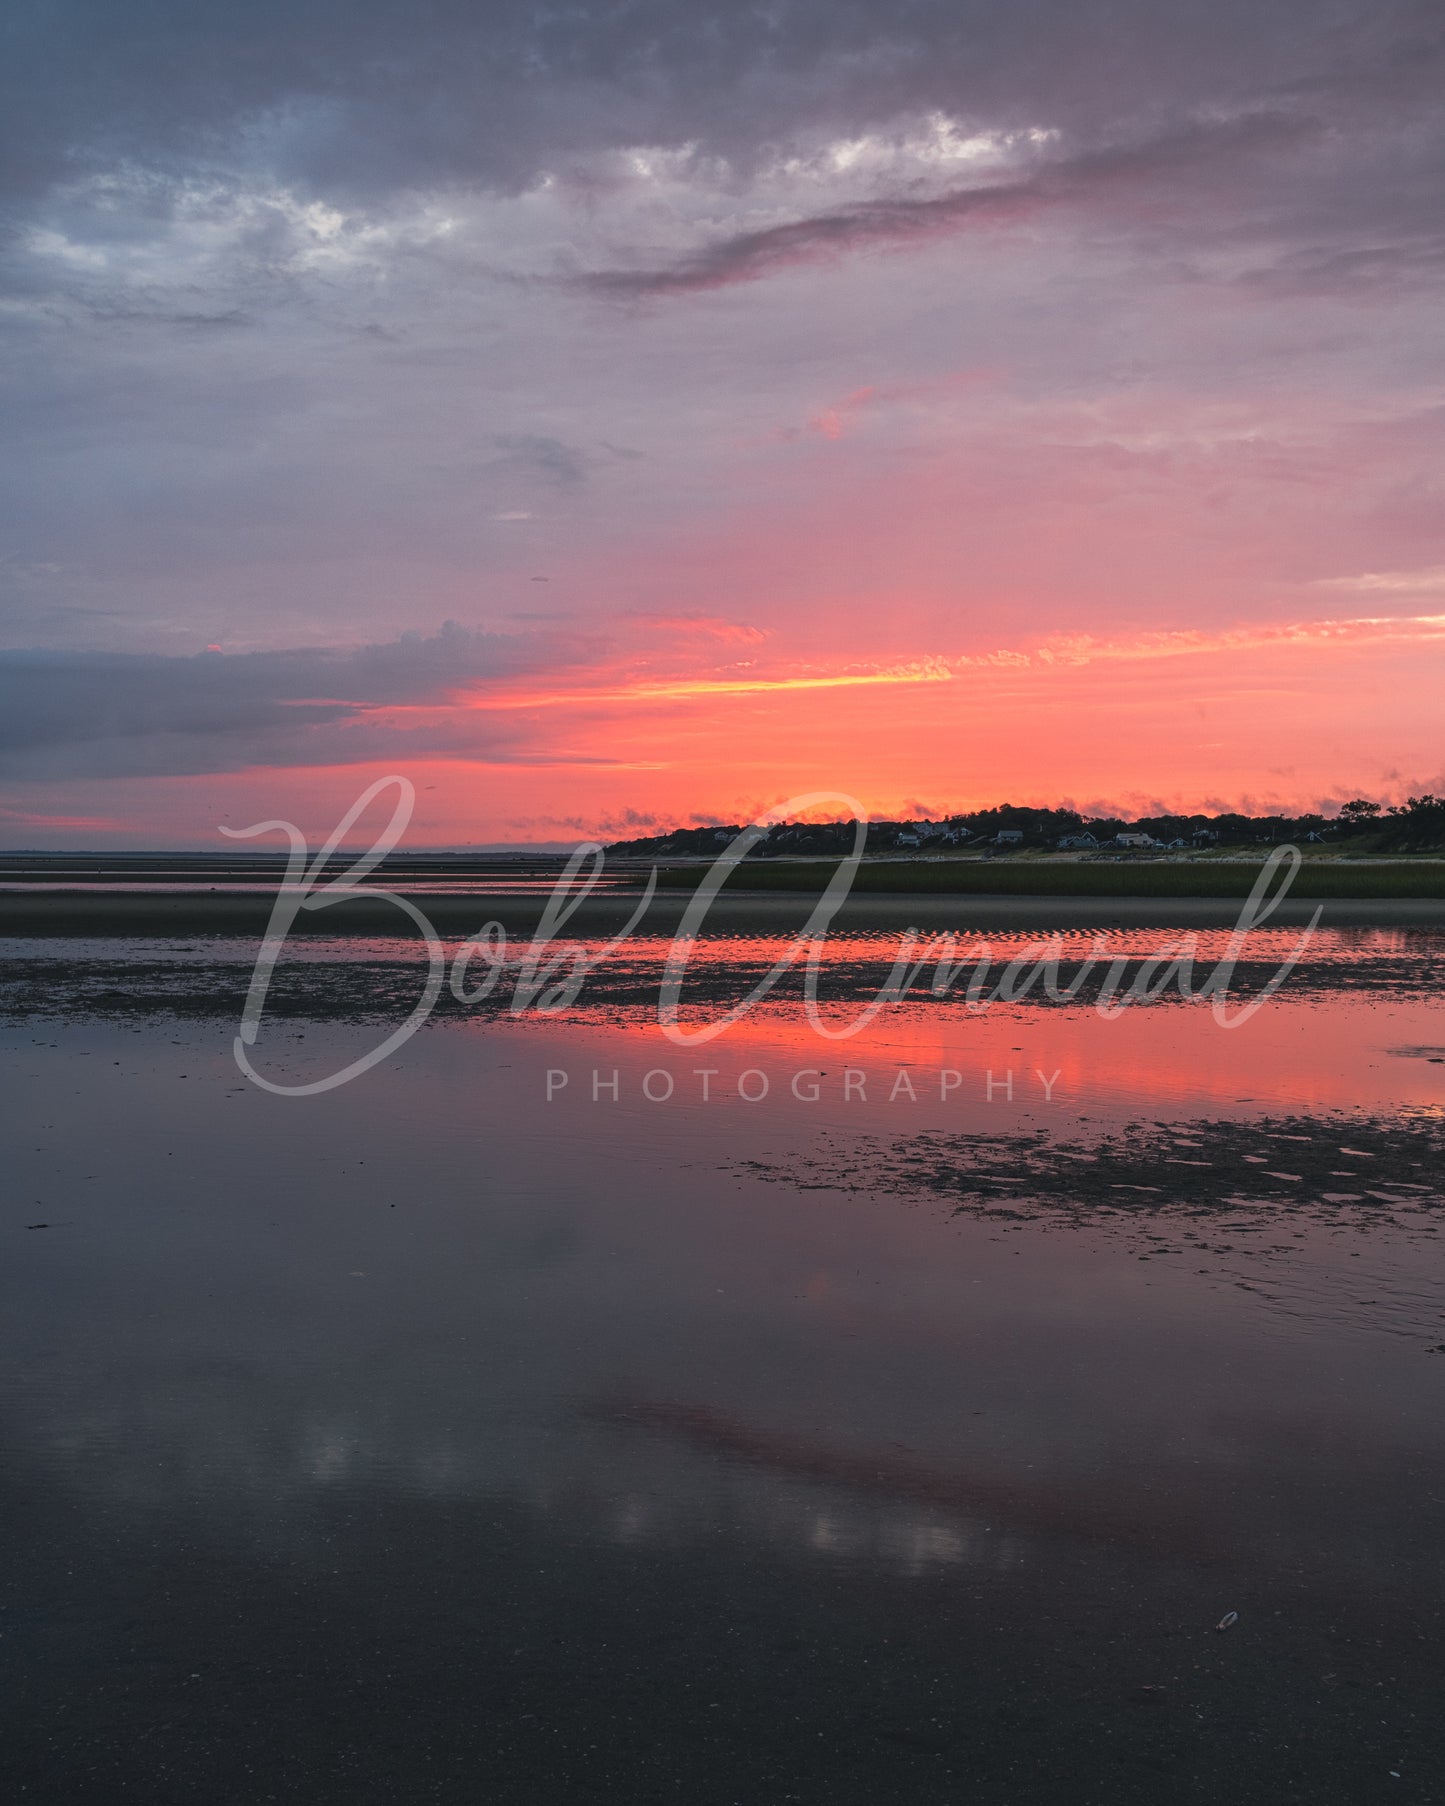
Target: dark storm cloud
359 98
109 714
1328 118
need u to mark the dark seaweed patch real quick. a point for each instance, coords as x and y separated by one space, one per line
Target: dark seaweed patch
1342 1163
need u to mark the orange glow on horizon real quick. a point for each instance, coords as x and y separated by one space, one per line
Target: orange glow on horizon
1252 717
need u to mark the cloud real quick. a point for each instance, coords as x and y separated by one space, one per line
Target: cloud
1058 654
708 627
1063 651
470 695
106 714
702 689
748 256
361 99
311 335
278 145
1186 153
549 458
1399 582
49 823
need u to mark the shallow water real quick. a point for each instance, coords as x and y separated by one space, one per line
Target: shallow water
432 1439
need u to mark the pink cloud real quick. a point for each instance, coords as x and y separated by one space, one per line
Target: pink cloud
712 627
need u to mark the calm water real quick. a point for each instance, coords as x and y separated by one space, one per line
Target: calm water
430 1439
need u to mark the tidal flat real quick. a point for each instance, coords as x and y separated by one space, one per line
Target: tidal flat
556 1411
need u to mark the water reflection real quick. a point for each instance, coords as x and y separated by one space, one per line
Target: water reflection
447 1341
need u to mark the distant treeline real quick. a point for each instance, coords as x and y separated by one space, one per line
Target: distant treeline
1415 826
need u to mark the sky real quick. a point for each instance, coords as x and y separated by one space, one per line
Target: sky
613 417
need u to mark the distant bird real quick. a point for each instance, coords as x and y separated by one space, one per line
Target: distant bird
541 580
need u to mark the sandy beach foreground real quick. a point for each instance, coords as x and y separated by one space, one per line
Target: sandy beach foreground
103 913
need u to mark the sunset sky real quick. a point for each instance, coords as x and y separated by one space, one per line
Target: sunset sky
619 416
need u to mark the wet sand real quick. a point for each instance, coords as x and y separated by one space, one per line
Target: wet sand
94 914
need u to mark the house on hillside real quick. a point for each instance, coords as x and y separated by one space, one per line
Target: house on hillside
1009 837
909 839
1078 843
1135 841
